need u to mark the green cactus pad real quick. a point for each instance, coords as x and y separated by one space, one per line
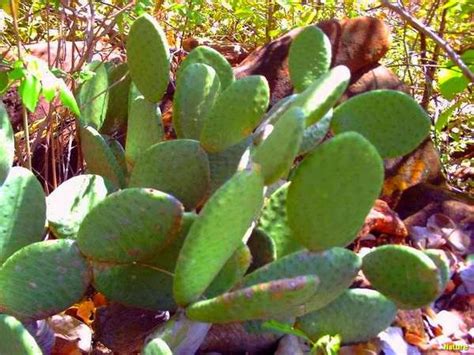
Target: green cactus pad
214 59
336 269
343 174
314 134
196 91
178 167
236 113
439 258
99 157
357 315
144 126
223 165
231 273
157 347
135 285
43 279
119 153
274 222
93 96
216 234
117 109
22 211
262 249
276 153
166 258
15 339
391 120
406 275
322 94
7 144
309 57
70 202
148 57
265 300
124 227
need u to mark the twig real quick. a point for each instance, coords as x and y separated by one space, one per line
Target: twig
431 34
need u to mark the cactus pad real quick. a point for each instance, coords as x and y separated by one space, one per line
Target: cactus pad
276 153
262 249
216 234
439 258
135 285
335 268
322 94
274 222
69 203
144 126
178 167
214 59
157 347
99 157
7 144
343 174
391 120
236 113
15 339
148 58
43 279
23 211
93 97
314 134
261 301
309 57
357 315
404 274
124 227
196 90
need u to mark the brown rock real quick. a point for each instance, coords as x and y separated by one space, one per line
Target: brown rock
356 43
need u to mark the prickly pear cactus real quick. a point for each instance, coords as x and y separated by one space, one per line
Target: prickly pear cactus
216 234
343 174
309 57
15 339
391 120
357 315
157 347
148 57
406 275
71 201
136 233
7 144
43 279
235 114
197 89
23 215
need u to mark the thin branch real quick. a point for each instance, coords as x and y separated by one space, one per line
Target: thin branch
405 15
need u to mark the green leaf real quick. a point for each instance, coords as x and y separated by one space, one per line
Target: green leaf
67 98
7 144
451 80
29 90
3 82
444 117
285 328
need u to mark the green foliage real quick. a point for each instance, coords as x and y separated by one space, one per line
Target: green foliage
343 174
15 339
23 207
157 347
148 58
71 201
7 144
159 166
307 66
216 234
406 275
451 80
263 300
43 279
357 315
391 120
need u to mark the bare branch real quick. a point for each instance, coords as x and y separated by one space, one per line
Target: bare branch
405 15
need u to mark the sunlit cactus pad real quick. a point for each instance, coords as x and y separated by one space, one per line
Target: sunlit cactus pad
357 315
405 274
7 144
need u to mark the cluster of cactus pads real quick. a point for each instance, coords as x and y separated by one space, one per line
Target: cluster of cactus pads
219 225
